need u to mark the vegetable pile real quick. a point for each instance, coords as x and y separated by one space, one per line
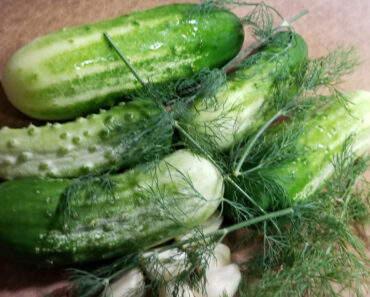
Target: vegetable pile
171 128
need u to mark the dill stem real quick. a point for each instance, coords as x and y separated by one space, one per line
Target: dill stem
253 142
260 40
224 231
125 60
239 189
263 218
246 172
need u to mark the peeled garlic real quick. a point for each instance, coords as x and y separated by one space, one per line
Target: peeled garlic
167 266
130 284
222 282
221 257
168 291
212 224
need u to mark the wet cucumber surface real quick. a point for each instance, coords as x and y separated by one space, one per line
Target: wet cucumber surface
75 71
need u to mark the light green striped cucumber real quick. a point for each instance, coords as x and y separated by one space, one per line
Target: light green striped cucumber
148 208
93 144
324 136
243 105
74 71
325 131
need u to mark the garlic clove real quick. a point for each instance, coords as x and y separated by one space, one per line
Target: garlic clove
222 282
221 257
212 224
168 291
130 284
167 265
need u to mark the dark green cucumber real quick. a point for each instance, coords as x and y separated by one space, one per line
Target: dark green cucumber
74 71
149 207
243 104
112 138
325 132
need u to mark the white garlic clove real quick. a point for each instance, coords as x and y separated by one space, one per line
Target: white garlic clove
168 291
212 224
221 257
167 266
130 284
222 282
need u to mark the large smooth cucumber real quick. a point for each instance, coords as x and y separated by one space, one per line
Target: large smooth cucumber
75 71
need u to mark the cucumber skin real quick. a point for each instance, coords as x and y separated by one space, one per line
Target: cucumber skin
324 134
74 148
53 77
31 228
242 105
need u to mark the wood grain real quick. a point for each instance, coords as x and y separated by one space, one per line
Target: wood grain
329 24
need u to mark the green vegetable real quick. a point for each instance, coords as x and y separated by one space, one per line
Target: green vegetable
306 155
125 213
74 71
120 137
245 103
324 135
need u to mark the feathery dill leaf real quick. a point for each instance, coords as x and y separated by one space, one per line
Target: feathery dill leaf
141 142
260 21
98 281
85 188
317 253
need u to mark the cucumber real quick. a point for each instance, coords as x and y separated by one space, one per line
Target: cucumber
325 131
148 207
323 139
74 71
110 139
243 105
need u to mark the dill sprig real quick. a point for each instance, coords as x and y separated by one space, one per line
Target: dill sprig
317 253
84 188
98 282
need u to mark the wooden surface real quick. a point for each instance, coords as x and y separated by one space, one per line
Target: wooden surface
329 24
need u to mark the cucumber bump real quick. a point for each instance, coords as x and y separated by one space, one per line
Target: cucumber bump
183 186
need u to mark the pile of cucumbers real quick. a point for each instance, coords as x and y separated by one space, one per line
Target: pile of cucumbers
96 185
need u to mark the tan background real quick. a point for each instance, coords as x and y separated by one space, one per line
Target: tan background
329 24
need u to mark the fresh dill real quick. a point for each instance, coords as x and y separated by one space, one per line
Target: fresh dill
84 188
317 253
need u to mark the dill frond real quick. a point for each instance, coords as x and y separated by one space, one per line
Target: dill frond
317 253
85 188
98 281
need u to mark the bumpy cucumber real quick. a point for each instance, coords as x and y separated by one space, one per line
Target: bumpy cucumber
242 105
324 133
74 71
91 144
149 207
